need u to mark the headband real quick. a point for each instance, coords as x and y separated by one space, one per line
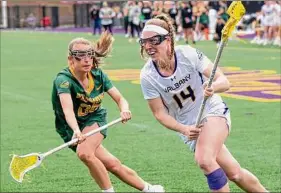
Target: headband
155 28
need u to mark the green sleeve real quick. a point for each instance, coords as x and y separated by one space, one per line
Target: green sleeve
62 84
107 83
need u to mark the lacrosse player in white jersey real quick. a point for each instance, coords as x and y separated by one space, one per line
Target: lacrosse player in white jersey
173 82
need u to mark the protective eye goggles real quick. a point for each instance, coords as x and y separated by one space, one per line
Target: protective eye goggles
82 54
154 40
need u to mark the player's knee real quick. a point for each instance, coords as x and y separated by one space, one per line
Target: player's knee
205 162
235 175
113 165
86 157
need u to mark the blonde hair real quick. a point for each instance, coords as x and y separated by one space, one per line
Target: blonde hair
165 22
101 48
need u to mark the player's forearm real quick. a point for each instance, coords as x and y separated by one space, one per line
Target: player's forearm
169 122
221 84
71 120
123 104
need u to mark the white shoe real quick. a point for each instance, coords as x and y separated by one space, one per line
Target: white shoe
277 41
255 40
156 188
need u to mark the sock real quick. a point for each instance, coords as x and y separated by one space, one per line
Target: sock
147 187
109 190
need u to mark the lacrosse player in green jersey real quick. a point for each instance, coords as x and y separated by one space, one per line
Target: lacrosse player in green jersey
77 95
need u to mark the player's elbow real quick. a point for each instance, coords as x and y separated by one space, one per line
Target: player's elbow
159 116
227 84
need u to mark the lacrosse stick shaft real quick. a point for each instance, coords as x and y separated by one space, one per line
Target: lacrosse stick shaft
216 62
76 139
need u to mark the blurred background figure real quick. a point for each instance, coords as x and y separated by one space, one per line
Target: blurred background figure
171 9
95 18
212 14
146 12
134 19
268 13
31 21
187 22
219 26
193 20
258 28
106 15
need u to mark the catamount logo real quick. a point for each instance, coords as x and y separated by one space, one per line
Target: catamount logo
254 85
64 84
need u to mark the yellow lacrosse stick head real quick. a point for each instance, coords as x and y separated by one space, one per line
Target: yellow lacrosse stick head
236 10
22 164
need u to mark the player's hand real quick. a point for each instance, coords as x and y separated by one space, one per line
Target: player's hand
125 115
79 135
192 132
208 91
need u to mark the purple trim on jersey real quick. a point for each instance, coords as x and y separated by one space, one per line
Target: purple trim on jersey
164 104
225 109
176 65
200 74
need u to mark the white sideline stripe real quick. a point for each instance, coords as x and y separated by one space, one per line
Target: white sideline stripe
138 125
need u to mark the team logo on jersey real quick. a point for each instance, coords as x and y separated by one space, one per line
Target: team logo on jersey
178 84
98 88
65 84
199 54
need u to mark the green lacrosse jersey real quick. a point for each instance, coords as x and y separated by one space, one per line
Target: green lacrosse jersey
86 103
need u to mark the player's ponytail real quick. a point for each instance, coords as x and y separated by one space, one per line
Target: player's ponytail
102 48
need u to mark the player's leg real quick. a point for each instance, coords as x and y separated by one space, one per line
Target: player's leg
209 143
86 153
240 176
123 172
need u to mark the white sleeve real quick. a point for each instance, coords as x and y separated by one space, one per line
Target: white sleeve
148 90
202 61
195 58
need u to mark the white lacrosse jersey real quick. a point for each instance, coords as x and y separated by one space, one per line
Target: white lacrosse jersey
182 92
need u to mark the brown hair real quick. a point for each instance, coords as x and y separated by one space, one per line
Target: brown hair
165 22
101 48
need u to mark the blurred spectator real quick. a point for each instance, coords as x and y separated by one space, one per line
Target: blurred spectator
45 21
106 15
171 9
212 21
31 21
157 8
222 13
219 26
126 19
146 11
117 20
204 23
95 17
134 18
257 26
187 22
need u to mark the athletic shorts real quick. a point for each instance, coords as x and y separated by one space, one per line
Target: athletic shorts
217 113
67 133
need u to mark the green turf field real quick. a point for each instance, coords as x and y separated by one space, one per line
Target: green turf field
30 61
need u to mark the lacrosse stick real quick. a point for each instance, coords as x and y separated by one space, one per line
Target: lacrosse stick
22 164
236 11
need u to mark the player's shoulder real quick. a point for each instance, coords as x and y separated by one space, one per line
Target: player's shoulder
64 74
186 51
183 48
